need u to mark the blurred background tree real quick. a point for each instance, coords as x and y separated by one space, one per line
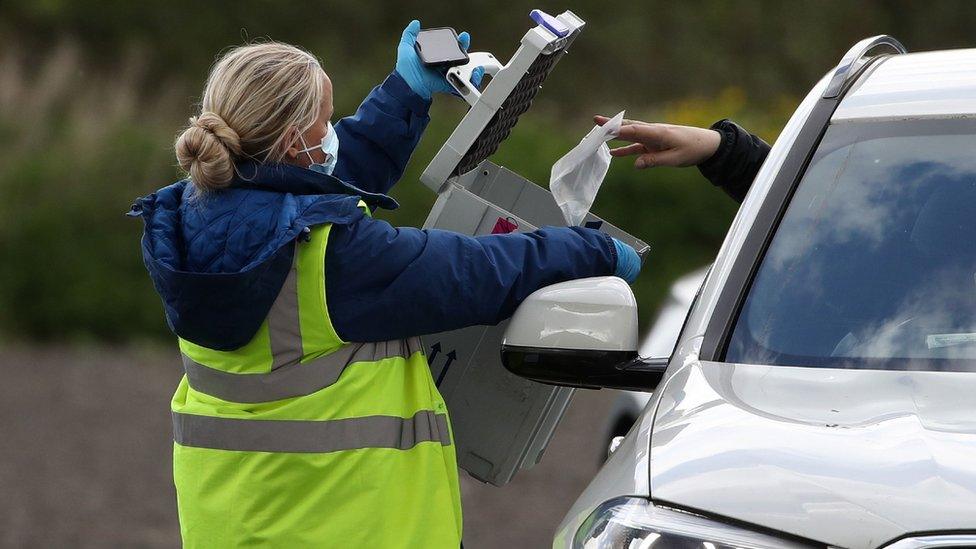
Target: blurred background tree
92 94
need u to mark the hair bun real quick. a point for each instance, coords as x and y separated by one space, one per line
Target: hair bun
206 150
214 124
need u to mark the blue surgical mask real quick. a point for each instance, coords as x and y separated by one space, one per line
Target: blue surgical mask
330 146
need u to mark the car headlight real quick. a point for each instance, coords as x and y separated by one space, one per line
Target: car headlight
636 523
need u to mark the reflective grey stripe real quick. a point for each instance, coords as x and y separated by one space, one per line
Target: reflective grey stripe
255 435
294 379
284 325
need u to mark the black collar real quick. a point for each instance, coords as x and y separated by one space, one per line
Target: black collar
287 178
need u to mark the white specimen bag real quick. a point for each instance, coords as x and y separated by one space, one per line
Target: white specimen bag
576 177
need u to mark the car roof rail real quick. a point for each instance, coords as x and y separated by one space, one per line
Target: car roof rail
855 58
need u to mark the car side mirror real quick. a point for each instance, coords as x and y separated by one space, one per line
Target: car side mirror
581 333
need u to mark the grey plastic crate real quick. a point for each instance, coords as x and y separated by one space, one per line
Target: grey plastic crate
502 423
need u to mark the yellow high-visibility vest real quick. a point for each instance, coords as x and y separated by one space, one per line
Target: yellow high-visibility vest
300 439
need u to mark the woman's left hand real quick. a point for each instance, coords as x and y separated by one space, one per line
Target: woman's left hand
423 80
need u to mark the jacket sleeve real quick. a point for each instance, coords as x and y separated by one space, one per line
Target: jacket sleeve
737 160
375 144
387 283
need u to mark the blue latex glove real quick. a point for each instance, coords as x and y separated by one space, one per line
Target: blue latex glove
628 262
425 81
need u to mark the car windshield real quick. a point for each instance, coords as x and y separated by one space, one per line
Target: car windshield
874 262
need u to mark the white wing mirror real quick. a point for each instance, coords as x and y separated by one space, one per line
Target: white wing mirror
581 333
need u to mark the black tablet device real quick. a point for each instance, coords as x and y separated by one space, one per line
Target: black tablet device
440 48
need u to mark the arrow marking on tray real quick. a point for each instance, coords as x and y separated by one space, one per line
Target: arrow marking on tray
451 357
434 349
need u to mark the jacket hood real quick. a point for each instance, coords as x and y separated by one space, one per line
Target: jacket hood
219 260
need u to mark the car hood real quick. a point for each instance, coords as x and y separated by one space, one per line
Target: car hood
852 458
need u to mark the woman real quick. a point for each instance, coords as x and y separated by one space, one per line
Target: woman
307 415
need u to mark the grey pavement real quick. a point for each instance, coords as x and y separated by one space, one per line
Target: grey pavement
85 456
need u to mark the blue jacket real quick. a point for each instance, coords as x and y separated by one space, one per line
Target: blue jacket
218 261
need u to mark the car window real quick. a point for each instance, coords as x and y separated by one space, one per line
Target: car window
663 335
874 262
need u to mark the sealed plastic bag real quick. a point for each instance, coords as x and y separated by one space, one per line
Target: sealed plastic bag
577 176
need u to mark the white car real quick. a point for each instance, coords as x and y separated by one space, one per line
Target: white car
659 342
823 389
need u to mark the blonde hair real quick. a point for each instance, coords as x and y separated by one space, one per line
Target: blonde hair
254 95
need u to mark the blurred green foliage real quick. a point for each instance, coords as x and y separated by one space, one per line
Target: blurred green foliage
92 95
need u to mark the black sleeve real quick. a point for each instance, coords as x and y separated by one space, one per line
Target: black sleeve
737 160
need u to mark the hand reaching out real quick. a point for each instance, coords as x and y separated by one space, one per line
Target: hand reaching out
664 144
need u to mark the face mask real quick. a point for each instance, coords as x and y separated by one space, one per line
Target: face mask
330 146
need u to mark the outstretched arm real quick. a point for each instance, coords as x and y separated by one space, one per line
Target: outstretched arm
384 282
726 154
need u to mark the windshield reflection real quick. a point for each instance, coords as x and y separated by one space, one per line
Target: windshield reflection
874 263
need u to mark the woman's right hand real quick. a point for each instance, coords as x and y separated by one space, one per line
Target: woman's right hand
664 144
423 80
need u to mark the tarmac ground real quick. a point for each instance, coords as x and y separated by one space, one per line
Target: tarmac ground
85 456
